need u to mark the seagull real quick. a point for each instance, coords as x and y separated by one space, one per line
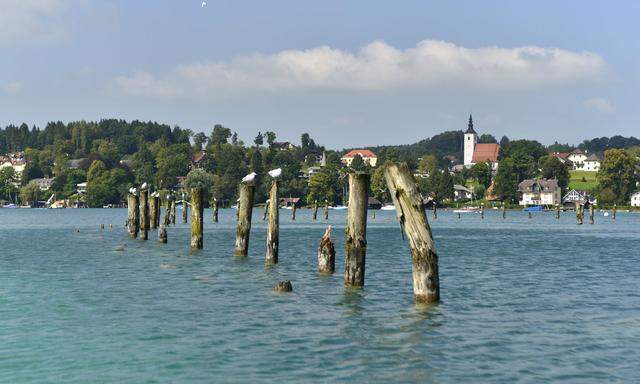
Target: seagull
204 4
143 186
131 190
134 191
275 172
249 178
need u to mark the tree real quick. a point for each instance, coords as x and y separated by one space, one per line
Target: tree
324 185
379 188
506 181
552 168
220 135
259 140
200 140
198 178
30 194
271 138
96 170
358 164
8 181
482 173
428 164
617 173
487 138
504 141
172 162
304 141
445 187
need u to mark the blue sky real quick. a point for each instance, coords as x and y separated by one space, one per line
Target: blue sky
351 73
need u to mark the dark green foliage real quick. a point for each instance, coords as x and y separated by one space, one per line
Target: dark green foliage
552 168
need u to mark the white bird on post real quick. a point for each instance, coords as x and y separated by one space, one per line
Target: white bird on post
275 172
143 186
250 178
134 191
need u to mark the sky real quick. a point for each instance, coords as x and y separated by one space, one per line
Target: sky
350 73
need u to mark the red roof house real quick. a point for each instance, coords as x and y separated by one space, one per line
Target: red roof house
486 153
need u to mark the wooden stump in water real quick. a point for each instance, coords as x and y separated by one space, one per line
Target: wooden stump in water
273 229
173 210
144 214
162 234
530 215
216 206
435 211
412 218
315 210
133 215
614 211
185 207
591 214
153 211
326 209
197 218
245 209
326 253
579 213
504 211
293 212
482 211
458 215
283 286
266 211
356 241
557 211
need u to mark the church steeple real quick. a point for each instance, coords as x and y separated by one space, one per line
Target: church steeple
470 128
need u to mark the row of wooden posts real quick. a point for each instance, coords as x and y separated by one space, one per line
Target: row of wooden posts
144 214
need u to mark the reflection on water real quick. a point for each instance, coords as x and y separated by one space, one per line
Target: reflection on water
534 300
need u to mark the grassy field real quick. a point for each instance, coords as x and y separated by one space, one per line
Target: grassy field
576 181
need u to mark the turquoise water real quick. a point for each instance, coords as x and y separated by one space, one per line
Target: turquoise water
522 300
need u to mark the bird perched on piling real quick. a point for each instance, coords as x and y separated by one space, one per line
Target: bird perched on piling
275 172
143 186
133 191
249 178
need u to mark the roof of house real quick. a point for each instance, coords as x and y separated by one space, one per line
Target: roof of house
361 152
562 155
458 187
486 152
75 163
593 157
577 151
470 126
198 156
532 185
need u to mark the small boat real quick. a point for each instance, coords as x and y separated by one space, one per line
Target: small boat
339 207
467 210
234 206
606 214
9 206
388 207
533 208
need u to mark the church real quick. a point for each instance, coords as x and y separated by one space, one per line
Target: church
478 153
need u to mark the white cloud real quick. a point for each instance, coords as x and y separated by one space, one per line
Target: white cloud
26 19
434 65
599 104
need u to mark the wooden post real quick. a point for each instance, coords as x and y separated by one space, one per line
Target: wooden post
245 209
504 211
167 212
591 216
435 211
156 197
326 253
482 211
216 206
197 217
273 229
266 210
283 286
315 210
133 215
530 215
326 209
162 234
614 211
293 212
412 218
356 242
185 207
579 217
458 215
144 214
153 211
557 211
173 210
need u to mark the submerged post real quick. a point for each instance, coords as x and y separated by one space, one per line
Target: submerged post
412 218
153 211
245 209
356 242
197 217
315 210
266 210
273 229
156 198
173 210
133 218
144 213
482 211
326 253
293 212
558 211
326 209
216 206
167 211
185 207
591 216
614 211
435 211
162 234
504 211
530 215
579 217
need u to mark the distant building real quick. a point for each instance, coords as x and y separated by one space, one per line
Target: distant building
539 192
374 203
577 157
43 183
369 157
461 192
197 158
289 202
576 196
564 158
76 163
282 146
82 188
635 199
14 160
478 153
592 163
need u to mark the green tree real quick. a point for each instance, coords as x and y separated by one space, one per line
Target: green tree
358 164
482 173
445 186
30 194
259 140
428 164
379 188
220 135
506 181
617 173
552 168
324 185
8 181
172 162
271 138
199 140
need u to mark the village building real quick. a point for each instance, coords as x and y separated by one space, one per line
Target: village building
461 192
478 153
43 183
564 158
577 196
591 163
635 199
81 188
282 146
539 192
14 160
368 157
577 157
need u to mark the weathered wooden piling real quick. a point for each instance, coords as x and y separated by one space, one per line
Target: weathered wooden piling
356 241
245 209
133 215
273 229
266 211
167 211
579 214
326 253
504 211
592 219
458 215
412 218
614 211
435 211
482 211
144 214
315 210
173 209
162 234
197 217
293 212
216 206
185 207
530 215
557 211
283 286
326 209
153 211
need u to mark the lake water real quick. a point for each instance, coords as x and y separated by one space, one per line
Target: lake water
527 300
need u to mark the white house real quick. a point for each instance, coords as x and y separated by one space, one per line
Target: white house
43 183
584 162
592 163
369 157
577 157
478 153
540 192
461 192
14 160
635 199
